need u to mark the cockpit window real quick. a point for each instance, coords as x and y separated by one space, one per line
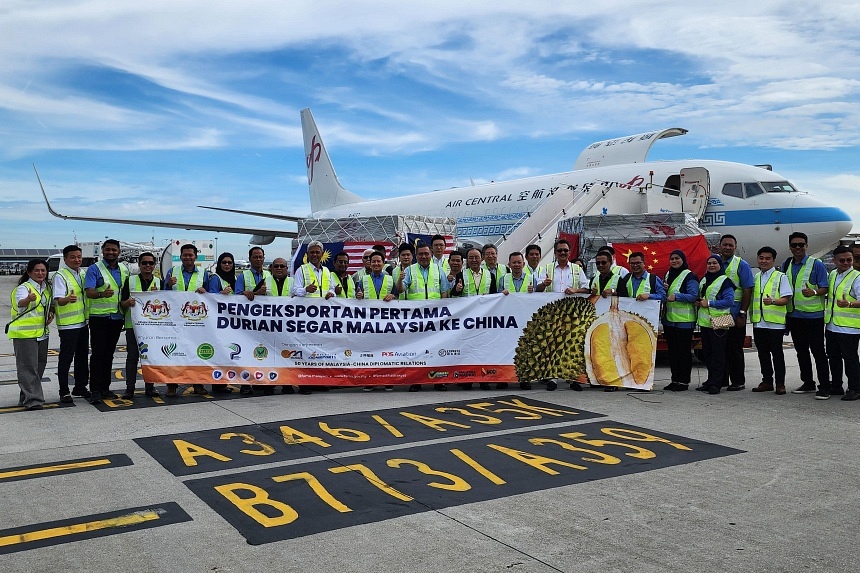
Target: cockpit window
752 189
778 187
733 190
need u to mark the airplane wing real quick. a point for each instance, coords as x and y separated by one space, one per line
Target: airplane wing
173 225
255 213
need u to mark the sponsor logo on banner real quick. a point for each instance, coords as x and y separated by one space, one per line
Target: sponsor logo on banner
156 309
168 349
399 354
321 356
194 310
245 375
258 375
205 351
488 372
217 375
272 376
261 352
235 351
437 374
347 353
465 374
231 375
366 355
143 348
449 352
292 354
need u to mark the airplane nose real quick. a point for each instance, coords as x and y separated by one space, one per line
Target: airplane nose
824 224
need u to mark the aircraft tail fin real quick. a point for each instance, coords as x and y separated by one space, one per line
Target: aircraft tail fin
325 189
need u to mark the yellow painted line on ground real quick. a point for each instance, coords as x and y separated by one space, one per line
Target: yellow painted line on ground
56 468
19 408
121 521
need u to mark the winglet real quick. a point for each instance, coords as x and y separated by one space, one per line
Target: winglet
45 195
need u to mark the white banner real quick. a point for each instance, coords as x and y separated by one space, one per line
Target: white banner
212 338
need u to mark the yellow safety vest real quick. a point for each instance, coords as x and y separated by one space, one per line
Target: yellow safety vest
509 285
770 313
134 285
196 279
712 292
847 317
679 311
418 289
34 324
73 312
799 301
369 289
309 274
732 273
107 306
347 291
469 286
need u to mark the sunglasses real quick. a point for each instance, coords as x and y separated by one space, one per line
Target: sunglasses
797 245
562 250
279 266
146 263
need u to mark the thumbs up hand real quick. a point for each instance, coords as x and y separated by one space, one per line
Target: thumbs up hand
808 291
843 302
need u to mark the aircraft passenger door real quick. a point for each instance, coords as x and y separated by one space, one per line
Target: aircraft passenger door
695 190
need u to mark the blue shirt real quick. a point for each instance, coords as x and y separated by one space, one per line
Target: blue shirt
659 290
94 279
747 280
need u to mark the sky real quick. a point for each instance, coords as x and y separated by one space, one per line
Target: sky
148 109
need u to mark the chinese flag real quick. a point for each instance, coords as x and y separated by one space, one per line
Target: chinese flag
573 239
657 254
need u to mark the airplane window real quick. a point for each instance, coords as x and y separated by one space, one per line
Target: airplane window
752 189
778 187
733 190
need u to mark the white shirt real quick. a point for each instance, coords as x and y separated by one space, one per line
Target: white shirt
562 277
299 281
784 290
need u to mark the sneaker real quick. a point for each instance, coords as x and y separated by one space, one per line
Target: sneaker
822 395
67 399
806 388
837 391
389 388
551 384
851 395
368 388
82 392
737 387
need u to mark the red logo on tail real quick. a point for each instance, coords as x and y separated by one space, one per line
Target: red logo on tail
310 159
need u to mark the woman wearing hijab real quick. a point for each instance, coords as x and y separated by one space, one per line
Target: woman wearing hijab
28 329
224 279
716 296
682 290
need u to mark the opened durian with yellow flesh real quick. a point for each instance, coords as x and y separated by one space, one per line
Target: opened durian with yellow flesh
619 349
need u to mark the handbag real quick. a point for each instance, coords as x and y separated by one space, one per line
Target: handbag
722 322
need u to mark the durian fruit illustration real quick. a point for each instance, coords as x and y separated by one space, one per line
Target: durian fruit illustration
552 343
619 348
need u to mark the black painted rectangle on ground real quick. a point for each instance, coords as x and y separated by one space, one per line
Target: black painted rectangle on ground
298 500
64 467
90 527
242 446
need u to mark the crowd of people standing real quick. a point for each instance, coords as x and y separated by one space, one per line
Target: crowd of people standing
820 310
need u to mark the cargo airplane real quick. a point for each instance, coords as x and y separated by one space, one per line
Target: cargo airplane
754 203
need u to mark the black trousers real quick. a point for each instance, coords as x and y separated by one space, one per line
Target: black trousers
807 334
768 343
734 367
104 334
74 346
679 341
843 348
714 353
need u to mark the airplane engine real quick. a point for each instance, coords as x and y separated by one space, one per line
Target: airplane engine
261 239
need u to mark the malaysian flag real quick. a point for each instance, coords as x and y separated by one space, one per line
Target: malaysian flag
355 249
413 239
